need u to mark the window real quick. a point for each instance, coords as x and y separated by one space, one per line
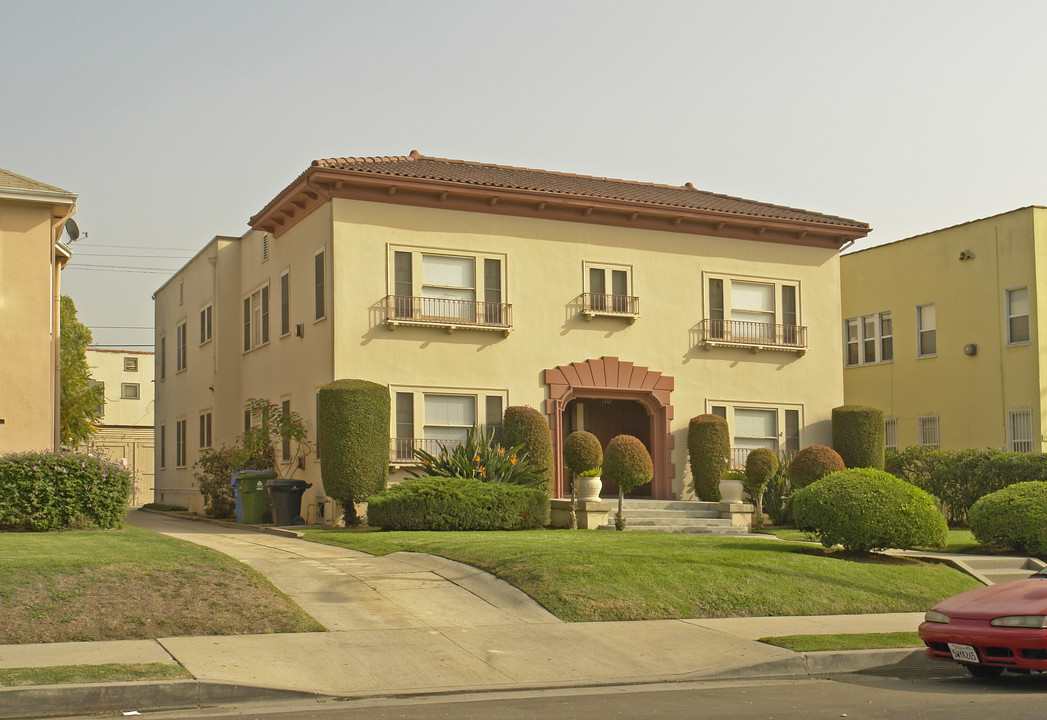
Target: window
445 289
256 318
926 333
247 420
163 446
319 277
1018 316
180 343
753 312
754 426
285 441
100 407
427 420
181 291
927 431
1019 430
130 364
130 391
180 442
285 303
205 429
205 324
869 339
161 358
265 248
608 290
890 433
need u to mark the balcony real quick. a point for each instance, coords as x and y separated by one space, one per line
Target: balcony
752 335
447 313
401 450
600 305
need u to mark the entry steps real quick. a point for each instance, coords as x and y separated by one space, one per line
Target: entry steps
1001 569
672 516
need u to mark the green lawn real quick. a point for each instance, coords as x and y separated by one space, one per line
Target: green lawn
958 541
131 583
601 576
79 674
845 641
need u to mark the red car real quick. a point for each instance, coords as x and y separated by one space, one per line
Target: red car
992 629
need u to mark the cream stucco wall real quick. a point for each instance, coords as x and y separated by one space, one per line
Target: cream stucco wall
27 399
969 393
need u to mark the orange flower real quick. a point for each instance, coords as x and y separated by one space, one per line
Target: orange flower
512 460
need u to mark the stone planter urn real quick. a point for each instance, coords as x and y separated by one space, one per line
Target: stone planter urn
588 488
731 491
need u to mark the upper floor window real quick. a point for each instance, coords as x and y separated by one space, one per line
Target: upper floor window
447 290
926 331
1018 316
1019 430
753 312
285 303
161 358
180 342
319 285
256 318
100 407
608 291
130 364
205 324
130 391
928 432
870 339
427 420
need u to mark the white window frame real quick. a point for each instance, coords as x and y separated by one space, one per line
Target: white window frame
181 442
921 330
130 364
400 452
781 424
790 338
480 290
608 303
928 430
857 338
1019 421
256 320
130 391
206 323
1010 315
181 339
206 425
890 433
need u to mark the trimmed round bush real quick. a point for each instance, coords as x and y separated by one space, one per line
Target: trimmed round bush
353 441
523 425
54 490
438 503
582 453
813 463
627 463
865 509
858 435
709 447
1014 517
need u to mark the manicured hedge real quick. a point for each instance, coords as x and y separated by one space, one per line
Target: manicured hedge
813 463
1014 517
582 453
353 441
858 435
627 463
48 491
523 425
865 509
457 504
760 467
709 448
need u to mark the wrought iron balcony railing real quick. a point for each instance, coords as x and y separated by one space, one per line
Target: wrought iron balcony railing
753 335
401 450
447 313
601 304
740 454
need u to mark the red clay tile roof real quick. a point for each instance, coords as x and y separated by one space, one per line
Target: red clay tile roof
420 166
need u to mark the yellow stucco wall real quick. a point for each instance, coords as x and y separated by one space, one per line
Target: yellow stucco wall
26 398
969 393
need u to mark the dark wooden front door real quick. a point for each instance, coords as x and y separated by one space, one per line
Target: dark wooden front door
607 418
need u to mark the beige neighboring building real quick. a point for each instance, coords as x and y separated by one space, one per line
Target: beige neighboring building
942 332
125 430
32 217
611 306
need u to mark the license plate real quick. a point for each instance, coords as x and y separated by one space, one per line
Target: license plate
963 653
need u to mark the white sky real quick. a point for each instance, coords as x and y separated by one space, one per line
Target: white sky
177 121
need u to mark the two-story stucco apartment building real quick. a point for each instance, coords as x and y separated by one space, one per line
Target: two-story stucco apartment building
32 218
613 306
942 334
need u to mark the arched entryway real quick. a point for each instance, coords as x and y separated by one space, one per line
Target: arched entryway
616 395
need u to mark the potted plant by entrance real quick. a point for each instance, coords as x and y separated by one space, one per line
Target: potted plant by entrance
583 456
732 487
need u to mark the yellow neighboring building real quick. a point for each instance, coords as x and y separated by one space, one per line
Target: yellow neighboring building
125 429
942 333
613 306
32 217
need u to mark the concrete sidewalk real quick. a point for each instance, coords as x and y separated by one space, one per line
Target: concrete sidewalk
411 623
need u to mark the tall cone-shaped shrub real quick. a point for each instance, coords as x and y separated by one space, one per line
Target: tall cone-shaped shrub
523 425
709 447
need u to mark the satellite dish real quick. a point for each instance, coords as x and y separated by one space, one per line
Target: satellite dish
72 229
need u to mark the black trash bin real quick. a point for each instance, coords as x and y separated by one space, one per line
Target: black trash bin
286 499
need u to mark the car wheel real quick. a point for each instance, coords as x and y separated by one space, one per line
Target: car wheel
984 671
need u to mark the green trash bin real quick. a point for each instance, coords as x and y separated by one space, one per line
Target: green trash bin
254 494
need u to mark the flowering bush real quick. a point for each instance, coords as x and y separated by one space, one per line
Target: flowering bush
480 458
214 475
51 490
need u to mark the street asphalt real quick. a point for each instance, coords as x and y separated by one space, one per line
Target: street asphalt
408 623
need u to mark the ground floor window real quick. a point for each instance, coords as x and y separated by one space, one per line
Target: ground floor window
890 433
428 418
1019 429
775 427
928 432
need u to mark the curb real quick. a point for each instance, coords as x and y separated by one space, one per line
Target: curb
271 529
55 700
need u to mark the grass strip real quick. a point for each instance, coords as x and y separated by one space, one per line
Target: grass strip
845 641
85 674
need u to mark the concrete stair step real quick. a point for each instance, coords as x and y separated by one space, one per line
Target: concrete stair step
1005 576
987 564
